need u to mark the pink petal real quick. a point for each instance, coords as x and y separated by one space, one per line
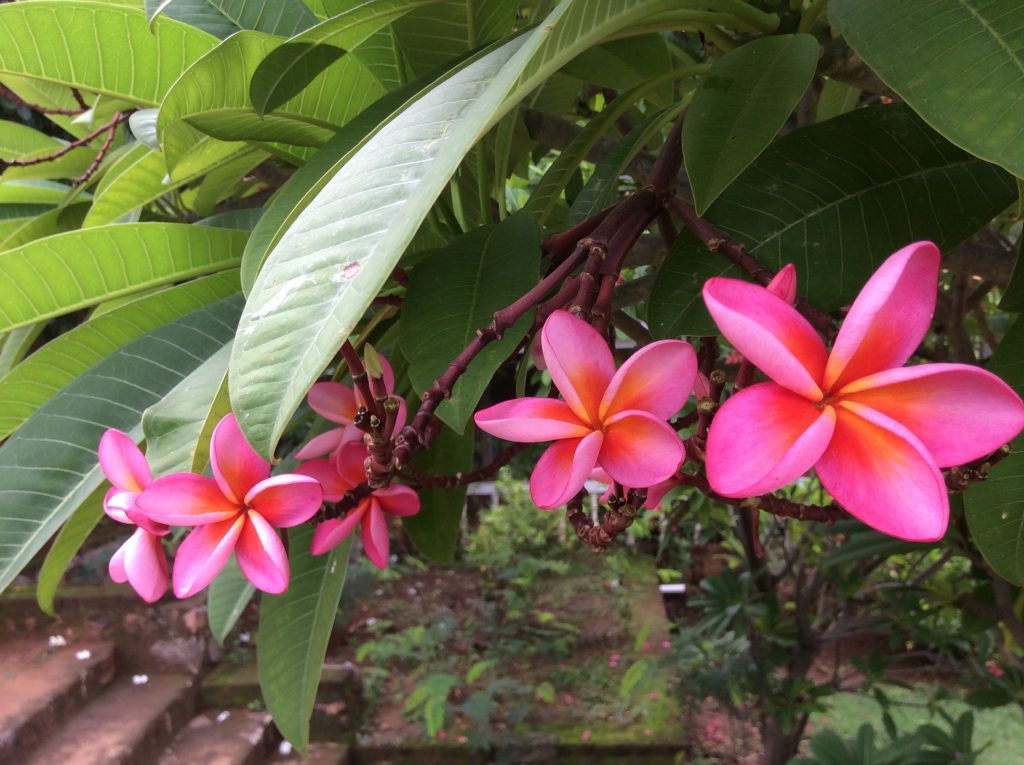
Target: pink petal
563 469
185 499
333 401
350 461
325 443
657 492
236 465
889 318
882 474
122 462
769 332
286 500
783 284
403 414
763 438
326 474
330 534
657 379
531 420
203 554
117 503
146 565
959 412
639 450
398 500
579 361
375 536
261 555
143 521
116 566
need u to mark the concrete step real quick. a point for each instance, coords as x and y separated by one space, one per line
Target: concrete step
229 737
128 725
41 686
320 753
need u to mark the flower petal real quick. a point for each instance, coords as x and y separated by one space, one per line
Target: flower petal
261 555
531 420
330 534
143 521
959 412
563 469
318 446
145 563
116 566
657 492
375 535
185 499
783 283
286 500
657 379
350 461
398 500
639 450
123 463
333 401
236 465
579 361
763 438
769 332
117 503
326 474
203 554
889 318
882 474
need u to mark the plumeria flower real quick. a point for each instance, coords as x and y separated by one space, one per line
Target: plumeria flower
339 403
610 419
141 560
876 432
236 510
342 473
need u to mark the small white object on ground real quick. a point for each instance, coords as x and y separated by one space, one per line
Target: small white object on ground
672 589
140 679
57 641
83 655
284 748
223 716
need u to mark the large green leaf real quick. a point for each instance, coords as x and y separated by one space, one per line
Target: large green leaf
178 427
294 629
457 290
15 345
48 468
836 198
435 528
18 141
328 266
222 18
433 37
67 543
229 594
99 47
56 221
63 273
958 63
41 376
741 103
293 66
33 192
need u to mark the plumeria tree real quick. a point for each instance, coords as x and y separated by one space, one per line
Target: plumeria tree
312 252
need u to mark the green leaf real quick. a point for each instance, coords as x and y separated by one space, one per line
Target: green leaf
293 66
626 64
134 180
42 375
229 594
55 221
32 192
836 98
1013 295
478 669
224 180
457 290
15 345
86 46
19 141
431 38
435 528
838 197
63 273
741 103
222 18
293 633
328 266
48 468
65 546
178 427
957 63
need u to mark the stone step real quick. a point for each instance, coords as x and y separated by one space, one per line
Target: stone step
228 737
130 724
41 686
320 753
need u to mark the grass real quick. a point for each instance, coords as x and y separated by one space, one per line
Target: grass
1002 727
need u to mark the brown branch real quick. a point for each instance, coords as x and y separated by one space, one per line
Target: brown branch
783 508
12 96
340 508
108 128
617 518
961 477
90 171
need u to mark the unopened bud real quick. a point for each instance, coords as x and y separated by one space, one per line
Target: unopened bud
371 360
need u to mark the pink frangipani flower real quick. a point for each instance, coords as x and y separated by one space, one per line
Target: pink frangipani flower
876 432
339 403
343 472
609 419
141 560
236 510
